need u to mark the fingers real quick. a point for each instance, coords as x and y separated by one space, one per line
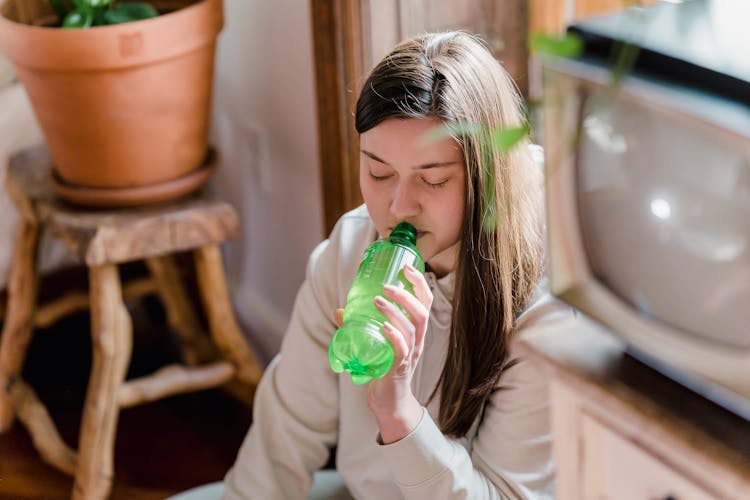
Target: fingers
418 313
406 333
401 348
417 306
402 338
397 318
402 335
416 325
421 287
338 317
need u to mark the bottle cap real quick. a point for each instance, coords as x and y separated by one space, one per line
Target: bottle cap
405 231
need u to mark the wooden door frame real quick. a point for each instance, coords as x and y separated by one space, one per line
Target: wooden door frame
339 56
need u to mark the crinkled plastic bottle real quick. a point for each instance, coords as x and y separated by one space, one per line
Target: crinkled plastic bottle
359 346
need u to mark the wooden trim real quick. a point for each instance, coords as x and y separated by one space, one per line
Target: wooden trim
18 325
339 62
221 320
546 17
195 346
112 344
47 314
173 379
508 33
47 441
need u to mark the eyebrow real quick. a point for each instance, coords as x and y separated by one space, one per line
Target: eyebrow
419 167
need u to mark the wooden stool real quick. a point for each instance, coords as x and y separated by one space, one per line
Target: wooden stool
102 240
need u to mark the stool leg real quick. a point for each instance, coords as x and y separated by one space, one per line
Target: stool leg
18 327
222 323
196 347
111 332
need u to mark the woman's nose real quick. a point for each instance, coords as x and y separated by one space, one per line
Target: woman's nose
405 203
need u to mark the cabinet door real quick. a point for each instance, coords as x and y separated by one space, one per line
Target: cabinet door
614 468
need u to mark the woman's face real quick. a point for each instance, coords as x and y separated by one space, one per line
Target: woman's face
406 176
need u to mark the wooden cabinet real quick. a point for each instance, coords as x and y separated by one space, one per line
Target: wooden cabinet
624 432
615 467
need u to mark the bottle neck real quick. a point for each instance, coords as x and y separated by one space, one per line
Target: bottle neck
402 240
404 233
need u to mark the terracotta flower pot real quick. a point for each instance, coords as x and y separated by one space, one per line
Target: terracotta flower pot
120 106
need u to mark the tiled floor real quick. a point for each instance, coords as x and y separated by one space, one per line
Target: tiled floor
162 447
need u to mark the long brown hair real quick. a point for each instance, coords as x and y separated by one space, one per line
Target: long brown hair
452 76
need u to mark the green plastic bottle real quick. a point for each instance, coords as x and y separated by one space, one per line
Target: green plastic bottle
359 346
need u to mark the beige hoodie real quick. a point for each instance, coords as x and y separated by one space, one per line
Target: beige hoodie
302 408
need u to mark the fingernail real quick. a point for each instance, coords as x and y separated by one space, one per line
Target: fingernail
410 268
380 301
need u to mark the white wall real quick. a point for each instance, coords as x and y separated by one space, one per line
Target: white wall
265 127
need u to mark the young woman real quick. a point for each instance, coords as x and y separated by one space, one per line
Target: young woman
457 416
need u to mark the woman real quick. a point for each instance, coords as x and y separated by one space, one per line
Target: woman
457 415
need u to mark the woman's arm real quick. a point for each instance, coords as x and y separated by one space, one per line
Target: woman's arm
510 456
295 412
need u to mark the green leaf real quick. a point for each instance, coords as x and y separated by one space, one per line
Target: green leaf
59 7
464 128
78 19
100 16
624 56
569 45
451 130
125 12
98 3
502 140
505 139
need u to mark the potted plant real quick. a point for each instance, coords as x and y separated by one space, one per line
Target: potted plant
124 107
88 13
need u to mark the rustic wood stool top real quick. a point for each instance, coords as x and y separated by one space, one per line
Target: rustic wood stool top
120 235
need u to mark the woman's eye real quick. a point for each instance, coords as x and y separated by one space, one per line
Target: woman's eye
379 177
436 184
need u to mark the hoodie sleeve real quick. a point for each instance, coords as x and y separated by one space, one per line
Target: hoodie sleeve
295 412
511 455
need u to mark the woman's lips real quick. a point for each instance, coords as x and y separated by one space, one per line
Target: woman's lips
420 233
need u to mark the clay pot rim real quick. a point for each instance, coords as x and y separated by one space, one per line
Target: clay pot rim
100 29
163 37
97 197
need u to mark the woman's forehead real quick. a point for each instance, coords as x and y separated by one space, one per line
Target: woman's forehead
410 136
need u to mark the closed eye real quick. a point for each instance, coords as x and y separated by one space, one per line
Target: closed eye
436 185
379 177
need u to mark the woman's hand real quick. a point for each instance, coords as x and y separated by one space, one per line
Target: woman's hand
390 398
